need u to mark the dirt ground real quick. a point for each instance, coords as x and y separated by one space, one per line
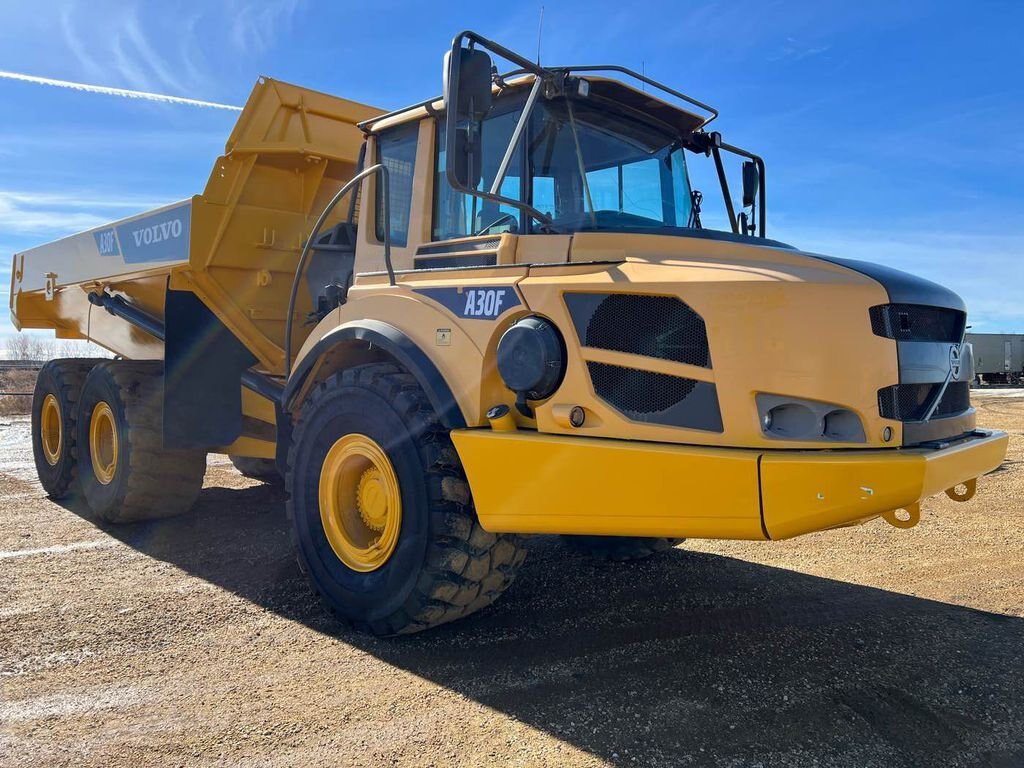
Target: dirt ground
196 642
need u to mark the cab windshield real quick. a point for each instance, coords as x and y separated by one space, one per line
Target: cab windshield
585 166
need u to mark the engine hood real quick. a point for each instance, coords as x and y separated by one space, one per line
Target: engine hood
901 287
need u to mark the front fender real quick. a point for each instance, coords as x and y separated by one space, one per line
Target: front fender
395 343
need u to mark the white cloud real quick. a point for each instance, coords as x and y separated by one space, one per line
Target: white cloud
256 25
86 141
86 63
57 214
82 199
108 91
129 50
795 50
144 51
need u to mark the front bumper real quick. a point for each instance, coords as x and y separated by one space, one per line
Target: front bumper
526 482
804 491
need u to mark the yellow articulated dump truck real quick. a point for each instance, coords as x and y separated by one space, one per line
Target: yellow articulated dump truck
491 314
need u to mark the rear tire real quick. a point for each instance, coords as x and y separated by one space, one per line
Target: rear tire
54 419
440 564
620 548
126 474
257 469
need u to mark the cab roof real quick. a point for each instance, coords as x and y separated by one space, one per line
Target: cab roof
602 89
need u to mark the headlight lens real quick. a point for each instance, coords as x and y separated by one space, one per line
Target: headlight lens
790 418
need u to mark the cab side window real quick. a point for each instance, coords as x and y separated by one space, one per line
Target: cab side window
396 150
457 214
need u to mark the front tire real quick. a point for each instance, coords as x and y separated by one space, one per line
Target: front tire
382 519
126 473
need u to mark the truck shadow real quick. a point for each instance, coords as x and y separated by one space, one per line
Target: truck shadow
687 655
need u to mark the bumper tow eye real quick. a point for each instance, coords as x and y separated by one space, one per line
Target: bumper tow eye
904 517
969 489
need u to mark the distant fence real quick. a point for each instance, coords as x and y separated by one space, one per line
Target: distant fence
19 365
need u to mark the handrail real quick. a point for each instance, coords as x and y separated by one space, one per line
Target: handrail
644 79
385 198
528 67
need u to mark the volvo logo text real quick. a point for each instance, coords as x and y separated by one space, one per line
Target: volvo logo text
165 230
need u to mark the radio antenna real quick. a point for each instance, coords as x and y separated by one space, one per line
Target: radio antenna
540 32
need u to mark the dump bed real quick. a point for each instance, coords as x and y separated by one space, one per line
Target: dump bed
235 246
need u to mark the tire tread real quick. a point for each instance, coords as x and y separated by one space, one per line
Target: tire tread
160 482
466 567
70 374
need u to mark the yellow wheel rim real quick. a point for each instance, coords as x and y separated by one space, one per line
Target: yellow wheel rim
360 503
103 447
51 429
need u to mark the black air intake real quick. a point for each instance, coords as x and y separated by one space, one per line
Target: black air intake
657 398
909 402
654 326
916 322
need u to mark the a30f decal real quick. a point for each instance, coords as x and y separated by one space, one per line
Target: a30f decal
476 303
484 302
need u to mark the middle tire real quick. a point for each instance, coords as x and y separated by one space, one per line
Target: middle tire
620 548
257 469
382 519
126 473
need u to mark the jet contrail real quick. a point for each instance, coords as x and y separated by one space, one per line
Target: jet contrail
123 92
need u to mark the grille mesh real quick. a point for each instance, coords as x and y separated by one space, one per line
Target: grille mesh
909 402
653 326
916 322
638 393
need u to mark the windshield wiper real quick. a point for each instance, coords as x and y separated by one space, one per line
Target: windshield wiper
696 198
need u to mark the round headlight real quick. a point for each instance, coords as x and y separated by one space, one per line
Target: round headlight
531 358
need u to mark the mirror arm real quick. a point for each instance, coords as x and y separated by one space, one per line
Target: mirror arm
762 207
475 39
450 121
720 167
517 134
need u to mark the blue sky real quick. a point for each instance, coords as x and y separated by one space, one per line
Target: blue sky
892 131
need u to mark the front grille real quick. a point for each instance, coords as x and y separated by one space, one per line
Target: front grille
654 326
657 398
636 392
916 322
909 402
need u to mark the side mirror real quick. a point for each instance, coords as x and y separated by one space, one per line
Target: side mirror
751 182
467 84
465 160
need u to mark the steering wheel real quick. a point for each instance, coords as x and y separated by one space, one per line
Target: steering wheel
498 222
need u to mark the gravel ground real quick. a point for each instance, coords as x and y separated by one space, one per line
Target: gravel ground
196 642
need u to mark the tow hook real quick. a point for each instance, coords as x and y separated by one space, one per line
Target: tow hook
904 517
969 489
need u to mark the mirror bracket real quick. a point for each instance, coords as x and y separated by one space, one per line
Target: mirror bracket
469 77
